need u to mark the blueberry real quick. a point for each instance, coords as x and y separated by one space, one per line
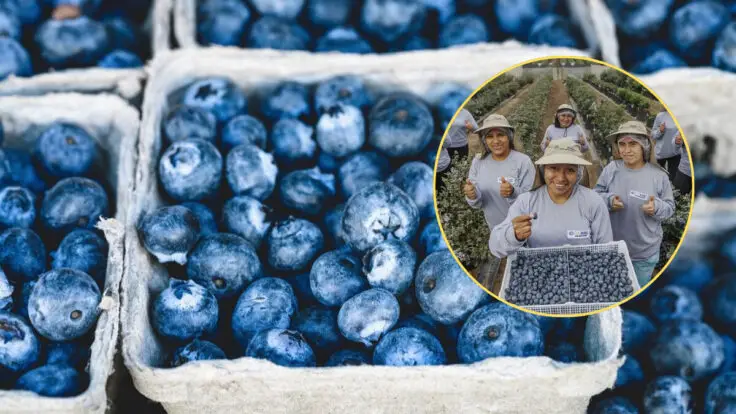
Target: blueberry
82 250
282 347
723 53
392 20
431 238
378 212
448 103
639 19
690 349
285 9
10 26
120 59
341 130
328 13
251 171
729 354
190 170
656 61
390 266
188 122
268 303
668 395
721 394
52 381
637 332
70 353
630 373
335 277
73 203
721 303
497 330
222 22
205 217
564 352
292 143
440 10
554 30
273 33
307 191
75 42
64 304
197 350
6 293
184 311
367 316
444 291
420 321
22 254
348 357
414 43
169 233
333 224
409 347
318 325
400 125
218 95
123 34
29 12
19 347
224 264
691 274
695 26
415 179
14 59
515 17
22 171
293 244
344 40
248 218
464 30
361 170
243 129
17 207
344 89
66 150
674 302
287 100
614 405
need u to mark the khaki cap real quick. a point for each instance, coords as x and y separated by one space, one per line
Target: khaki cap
565 106
494 121
563 151
629 127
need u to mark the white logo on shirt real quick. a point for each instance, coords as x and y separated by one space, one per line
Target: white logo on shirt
639 195
510 180
578 234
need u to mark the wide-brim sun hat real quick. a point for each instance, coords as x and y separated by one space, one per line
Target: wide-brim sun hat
565 107
629 127
563 151
494 121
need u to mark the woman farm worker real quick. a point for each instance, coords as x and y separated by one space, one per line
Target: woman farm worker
499 175
457 136
639 194
663 132
684 178
559 211
565 127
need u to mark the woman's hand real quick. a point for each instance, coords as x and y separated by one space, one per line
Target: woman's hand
506 188
617 204
522 226
469 190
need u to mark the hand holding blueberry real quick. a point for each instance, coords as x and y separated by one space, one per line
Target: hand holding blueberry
506 188
522 226
616 203
648 208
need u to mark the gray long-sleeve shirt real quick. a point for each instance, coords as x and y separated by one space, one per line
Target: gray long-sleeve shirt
574 132
457 136
664 146
684 166
582 219
486 173
444 161
641 232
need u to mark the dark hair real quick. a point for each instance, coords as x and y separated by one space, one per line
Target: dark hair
509 134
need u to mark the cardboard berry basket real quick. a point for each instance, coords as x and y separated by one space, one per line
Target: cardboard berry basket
114 124
184 23
501 385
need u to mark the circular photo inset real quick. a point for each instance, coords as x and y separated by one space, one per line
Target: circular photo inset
563 186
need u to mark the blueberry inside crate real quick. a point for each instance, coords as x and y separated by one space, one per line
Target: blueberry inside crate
570 307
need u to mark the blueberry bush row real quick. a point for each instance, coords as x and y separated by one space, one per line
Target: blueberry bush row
490 97
636 104
623 81
525 117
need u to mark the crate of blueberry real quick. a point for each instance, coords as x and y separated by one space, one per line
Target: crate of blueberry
570 279
283 252
77 45
66 167
380 26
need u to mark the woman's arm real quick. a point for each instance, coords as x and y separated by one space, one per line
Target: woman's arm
473 176
664 203
600 224
503 239
603 185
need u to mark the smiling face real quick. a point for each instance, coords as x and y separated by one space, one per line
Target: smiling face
565 119
498 143
560 178
631 152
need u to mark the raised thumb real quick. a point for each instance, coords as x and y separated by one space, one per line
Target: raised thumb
651 199
503 179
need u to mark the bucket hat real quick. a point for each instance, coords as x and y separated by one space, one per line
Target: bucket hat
563 151
566 107
629 127
494 121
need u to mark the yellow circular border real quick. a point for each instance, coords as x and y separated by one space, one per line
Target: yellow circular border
546 58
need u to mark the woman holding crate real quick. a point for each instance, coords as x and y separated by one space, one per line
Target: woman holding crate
565 127
498 175
558 211
638 194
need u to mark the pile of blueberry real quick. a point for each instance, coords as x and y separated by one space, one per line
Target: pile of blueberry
539 279
659 34
44 35
379 26
316 244
599 277
50 201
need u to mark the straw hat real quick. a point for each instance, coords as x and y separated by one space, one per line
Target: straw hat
494 121
563 151
629 127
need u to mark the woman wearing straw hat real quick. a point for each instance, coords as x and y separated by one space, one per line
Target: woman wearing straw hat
565 127
638 194
558 211
500 174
